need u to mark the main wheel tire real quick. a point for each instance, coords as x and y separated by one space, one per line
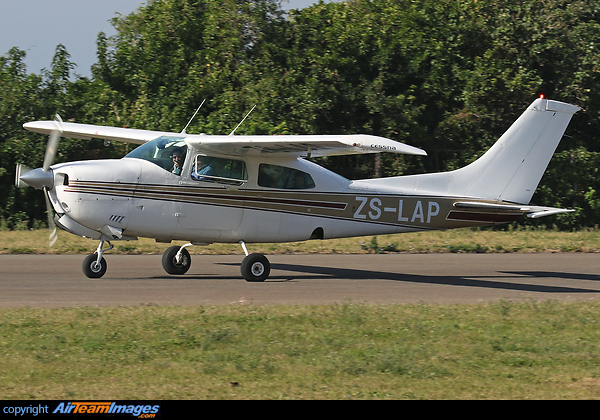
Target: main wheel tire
255 268
170 264
91 268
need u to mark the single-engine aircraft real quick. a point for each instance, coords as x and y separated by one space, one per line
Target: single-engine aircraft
256 189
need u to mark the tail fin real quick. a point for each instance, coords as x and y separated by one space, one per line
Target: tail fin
513 167
510 170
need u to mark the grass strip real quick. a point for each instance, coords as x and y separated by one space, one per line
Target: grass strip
500 350
455 241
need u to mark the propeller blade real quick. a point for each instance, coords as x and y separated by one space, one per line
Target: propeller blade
21 170
43 178
52 143
51 225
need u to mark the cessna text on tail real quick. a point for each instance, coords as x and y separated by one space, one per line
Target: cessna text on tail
203 188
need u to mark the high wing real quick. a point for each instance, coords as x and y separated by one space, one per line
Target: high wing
301 145
295 145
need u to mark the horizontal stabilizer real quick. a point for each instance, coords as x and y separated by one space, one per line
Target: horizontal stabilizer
533 212
548 211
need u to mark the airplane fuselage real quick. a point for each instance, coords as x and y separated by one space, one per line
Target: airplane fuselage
100 196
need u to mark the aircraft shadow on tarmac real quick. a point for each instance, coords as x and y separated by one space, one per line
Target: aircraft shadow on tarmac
557 275
306 272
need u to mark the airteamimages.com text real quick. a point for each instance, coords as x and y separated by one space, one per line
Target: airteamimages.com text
84 407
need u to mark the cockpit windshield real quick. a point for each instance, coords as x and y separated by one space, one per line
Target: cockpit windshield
160 151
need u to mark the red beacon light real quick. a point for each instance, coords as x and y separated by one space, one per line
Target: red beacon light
542 96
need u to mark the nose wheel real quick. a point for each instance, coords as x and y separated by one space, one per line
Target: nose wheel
94 265
93 268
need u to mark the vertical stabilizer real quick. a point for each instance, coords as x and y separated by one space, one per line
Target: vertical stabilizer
509 171
513 167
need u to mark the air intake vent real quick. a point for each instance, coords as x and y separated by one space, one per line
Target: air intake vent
116 218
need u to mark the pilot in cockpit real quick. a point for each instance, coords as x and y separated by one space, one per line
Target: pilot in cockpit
178 157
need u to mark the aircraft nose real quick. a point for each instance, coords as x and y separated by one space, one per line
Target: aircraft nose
39 178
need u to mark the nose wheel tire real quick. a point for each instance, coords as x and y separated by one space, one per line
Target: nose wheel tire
255 268
170 263
93 269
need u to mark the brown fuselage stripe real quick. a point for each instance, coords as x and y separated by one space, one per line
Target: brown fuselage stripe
187 194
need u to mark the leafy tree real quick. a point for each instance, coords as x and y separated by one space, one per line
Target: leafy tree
19 102
449 77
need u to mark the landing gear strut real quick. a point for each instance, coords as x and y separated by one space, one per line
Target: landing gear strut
94 265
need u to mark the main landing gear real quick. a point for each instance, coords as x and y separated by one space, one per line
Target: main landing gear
176 260
255 267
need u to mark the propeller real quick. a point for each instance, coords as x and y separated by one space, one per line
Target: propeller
43 178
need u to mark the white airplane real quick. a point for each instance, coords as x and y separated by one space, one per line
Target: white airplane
255 189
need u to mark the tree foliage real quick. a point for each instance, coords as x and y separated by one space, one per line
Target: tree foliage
448 77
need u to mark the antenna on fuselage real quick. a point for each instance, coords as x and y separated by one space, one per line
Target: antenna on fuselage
231 134
186 126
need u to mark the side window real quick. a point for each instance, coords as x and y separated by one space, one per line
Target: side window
219 170
275 176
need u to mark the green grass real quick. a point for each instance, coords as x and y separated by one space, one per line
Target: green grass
526 350
458 240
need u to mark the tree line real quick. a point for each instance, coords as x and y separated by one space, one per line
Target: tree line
447 77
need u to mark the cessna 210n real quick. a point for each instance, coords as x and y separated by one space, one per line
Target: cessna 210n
254 189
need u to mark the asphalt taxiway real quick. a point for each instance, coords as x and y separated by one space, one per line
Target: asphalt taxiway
57 280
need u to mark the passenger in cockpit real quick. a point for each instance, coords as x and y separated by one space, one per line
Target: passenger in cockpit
202 167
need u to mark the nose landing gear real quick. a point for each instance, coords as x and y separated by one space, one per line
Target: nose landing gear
94 265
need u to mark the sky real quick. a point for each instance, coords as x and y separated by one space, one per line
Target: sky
38 26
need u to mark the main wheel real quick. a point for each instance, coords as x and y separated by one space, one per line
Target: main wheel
255 268
91 267
170 264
